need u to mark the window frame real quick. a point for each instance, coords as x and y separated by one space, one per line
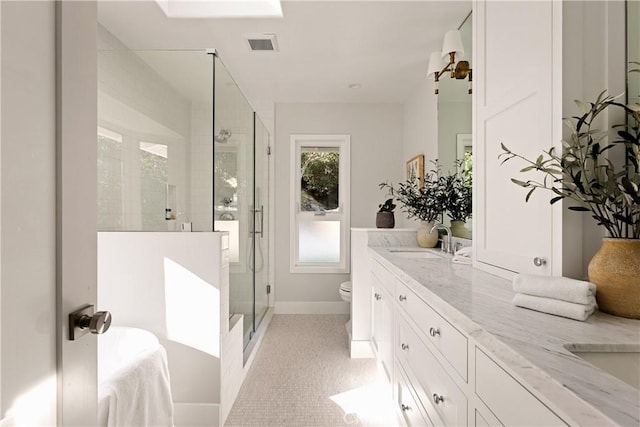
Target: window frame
343 143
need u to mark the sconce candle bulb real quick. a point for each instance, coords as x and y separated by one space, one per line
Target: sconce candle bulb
451 47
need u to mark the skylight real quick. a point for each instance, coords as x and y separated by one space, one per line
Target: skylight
221 8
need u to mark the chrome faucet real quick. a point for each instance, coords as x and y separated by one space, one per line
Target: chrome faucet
446 244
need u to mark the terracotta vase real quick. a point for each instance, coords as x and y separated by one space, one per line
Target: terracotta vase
426 239
459 229
615 270
385 220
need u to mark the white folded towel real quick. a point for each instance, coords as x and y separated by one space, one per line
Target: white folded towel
556 307
463 256
561 288
138 394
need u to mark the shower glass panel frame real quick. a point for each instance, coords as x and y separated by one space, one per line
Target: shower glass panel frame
241 199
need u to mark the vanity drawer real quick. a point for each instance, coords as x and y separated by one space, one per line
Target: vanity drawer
443 401
407 402
511 403
383 276
450 342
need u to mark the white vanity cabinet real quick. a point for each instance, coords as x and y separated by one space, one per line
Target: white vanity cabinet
382 317
512 404
440 375
441 398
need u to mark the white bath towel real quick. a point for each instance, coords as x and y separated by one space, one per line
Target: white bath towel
562 288
138 394
556 307
463 256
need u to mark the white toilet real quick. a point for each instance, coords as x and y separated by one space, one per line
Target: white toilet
345 294
345 291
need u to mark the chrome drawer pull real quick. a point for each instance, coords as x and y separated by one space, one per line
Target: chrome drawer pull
404 346
402 298
405 408
378 296
437 399
434 331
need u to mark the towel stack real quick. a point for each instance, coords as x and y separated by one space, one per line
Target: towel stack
561 296
463 256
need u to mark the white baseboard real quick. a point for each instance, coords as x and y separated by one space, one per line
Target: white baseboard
302 307
361 350
196 414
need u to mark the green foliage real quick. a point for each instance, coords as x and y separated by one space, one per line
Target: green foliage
387 206
426 203
457 186
320 174
450 194
584 174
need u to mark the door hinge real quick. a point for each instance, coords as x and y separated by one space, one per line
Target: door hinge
268 150
268 289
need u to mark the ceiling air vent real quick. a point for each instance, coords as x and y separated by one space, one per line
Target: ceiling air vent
263 42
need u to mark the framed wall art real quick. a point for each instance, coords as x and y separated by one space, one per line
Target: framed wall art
415 169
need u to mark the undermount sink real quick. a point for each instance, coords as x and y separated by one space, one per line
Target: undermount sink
621 361
415 253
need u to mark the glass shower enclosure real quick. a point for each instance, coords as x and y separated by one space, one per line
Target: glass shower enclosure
180 148
240 197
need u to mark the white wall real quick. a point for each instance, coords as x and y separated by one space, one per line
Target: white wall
172 285
376 155
28 206
420 133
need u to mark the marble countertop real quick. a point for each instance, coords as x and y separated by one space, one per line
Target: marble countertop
531 345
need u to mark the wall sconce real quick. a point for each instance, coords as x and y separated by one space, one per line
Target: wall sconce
445 61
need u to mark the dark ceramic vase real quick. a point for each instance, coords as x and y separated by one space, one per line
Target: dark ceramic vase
385 220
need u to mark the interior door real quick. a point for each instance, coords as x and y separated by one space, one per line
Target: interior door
27 205
76 206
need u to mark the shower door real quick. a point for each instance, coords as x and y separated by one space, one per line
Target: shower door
261 234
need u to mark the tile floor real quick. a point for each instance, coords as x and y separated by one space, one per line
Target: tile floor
302 376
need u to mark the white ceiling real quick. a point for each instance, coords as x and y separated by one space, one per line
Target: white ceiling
323 46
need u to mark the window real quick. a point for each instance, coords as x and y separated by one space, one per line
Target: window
110 180
154 171
320 204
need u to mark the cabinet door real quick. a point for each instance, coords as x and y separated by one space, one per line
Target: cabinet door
382 328
518 102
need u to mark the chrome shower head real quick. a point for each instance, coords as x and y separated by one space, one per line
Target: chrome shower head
223 136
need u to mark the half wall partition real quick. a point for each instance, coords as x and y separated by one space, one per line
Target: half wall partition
180 149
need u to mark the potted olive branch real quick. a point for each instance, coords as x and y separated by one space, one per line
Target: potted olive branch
424 200
583 174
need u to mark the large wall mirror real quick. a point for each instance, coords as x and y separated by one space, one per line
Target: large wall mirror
633 51
454 115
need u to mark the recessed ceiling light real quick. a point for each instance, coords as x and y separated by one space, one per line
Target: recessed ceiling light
355 86
221 8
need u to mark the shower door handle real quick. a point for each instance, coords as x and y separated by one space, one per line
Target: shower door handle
261 212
